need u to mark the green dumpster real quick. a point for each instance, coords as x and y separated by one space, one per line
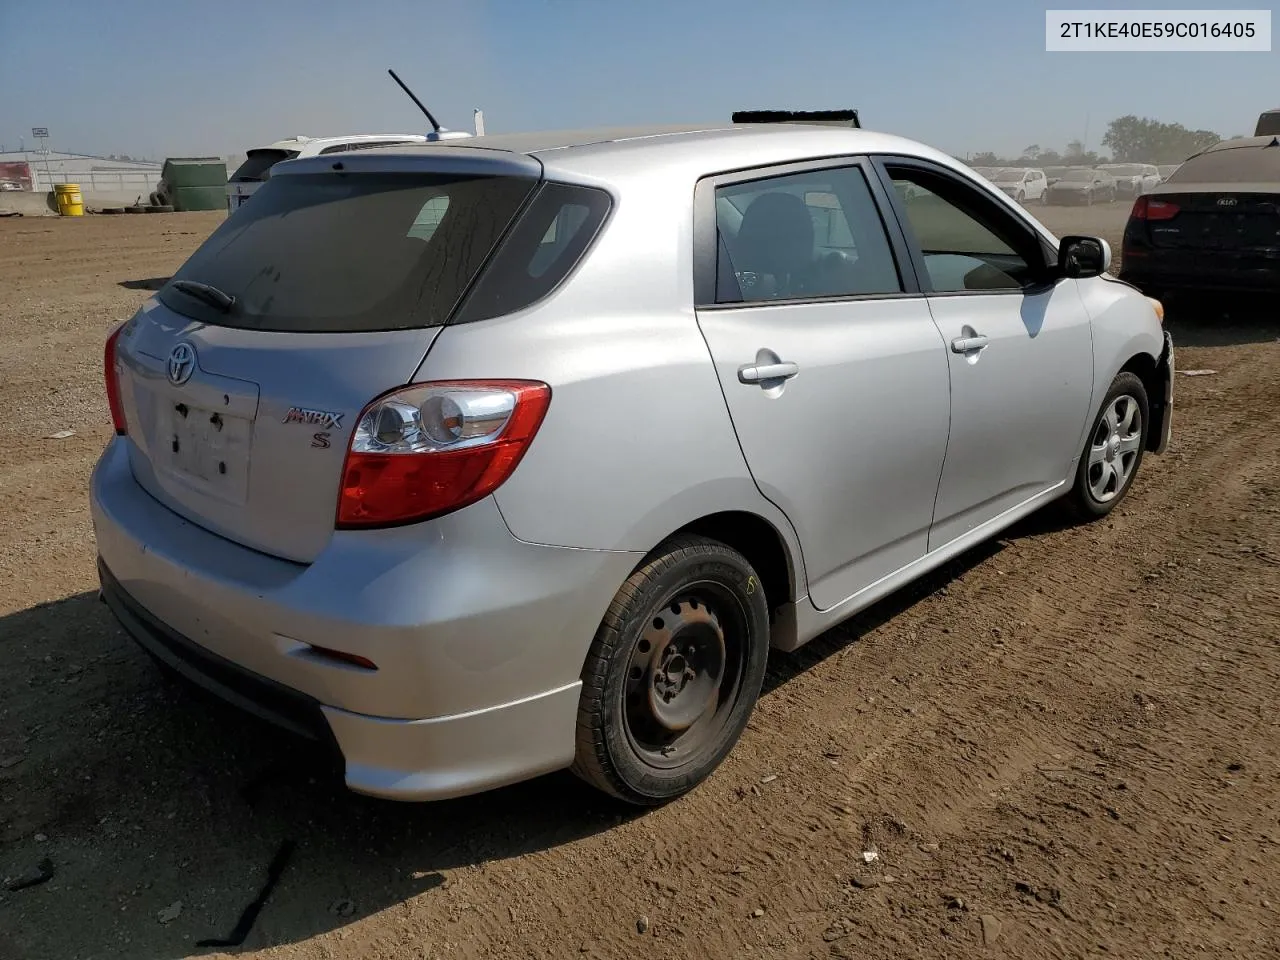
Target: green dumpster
194 183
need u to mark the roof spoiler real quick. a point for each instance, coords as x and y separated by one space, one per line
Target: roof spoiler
825 118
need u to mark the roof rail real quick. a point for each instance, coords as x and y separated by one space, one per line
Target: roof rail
826 118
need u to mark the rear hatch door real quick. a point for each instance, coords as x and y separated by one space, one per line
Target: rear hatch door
243 378
1216 221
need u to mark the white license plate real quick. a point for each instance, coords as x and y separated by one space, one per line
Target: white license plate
204 448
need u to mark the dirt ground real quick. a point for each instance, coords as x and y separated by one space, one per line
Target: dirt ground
1062 745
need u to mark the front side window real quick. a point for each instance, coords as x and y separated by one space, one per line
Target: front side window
802 236
966 241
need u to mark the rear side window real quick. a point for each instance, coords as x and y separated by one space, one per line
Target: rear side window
258 163
548 242
801 236
346 253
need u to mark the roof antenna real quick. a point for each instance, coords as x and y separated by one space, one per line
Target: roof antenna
435 127
437 132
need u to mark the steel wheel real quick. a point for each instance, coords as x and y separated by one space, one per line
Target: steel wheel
673 672
1113 450
683 675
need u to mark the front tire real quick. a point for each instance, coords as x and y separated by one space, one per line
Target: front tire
1113 451
673 672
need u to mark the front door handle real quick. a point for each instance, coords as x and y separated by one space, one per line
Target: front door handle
763 372
968 344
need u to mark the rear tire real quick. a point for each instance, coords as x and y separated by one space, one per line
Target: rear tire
1113 450
673 672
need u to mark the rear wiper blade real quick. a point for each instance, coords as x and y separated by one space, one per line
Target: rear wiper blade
209 294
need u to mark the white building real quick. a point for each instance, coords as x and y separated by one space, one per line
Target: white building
99 177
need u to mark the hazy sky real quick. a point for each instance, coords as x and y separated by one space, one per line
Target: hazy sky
184 77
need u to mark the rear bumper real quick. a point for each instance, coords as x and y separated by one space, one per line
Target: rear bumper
1154 268
479 638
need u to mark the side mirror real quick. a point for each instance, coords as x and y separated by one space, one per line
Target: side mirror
1082 257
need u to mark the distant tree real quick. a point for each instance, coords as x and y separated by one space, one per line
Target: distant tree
985 159
1141 139
1031 153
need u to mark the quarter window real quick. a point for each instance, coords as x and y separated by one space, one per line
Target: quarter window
548 241
801 236
966 242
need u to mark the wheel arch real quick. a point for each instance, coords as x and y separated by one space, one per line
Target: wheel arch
772 552
1148 369
761 543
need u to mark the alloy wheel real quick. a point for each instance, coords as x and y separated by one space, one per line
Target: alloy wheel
1114 448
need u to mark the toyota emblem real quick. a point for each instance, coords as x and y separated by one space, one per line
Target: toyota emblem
182 363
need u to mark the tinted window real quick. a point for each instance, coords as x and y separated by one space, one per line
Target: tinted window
344 253
258 163
967 242
548 241
804 235
1251 164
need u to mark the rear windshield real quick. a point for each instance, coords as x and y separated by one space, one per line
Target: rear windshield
1231 165
1084 176
1125 170
258 163
345 253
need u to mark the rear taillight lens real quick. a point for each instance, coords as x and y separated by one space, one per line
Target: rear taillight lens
1149 208
111 372
426 450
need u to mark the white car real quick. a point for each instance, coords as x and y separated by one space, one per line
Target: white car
1133 179
1022 183
256 169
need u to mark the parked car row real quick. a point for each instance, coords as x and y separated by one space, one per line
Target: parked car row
1072 184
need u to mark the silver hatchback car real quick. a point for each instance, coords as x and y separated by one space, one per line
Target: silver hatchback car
481 460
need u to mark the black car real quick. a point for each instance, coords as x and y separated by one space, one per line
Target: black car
1213 225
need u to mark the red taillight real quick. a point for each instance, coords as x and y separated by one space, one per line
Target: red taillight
111 372
426 450
1150 208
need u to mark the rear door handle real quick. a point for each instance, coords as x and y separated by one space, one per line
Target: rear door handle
761 372
968 344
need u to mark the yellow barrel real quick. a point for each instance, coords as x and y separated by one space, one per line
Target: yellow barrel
70 202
